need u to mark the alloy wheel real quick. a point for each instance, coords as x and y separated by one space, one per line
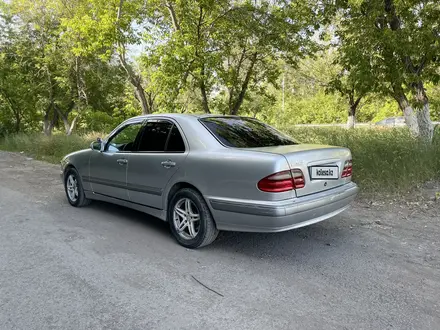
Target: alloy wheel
186 218
72 188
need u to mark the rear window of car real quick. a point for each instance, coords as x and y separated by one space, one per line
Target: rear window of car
245 132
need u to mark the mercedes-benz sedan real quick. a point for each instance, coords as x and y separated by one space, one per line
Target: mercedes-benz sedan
205 173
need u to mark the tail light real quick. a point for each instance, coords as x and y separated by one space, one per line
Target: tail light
282 181
348 169
298 179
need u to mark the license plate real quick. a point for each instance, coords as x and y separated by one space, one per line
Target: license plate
324 172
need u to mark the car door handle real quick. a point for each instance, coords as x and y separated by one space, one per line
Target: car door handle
168 164
122 161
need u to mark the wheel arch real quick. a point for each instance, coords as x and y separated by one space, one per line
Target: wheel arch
70 166
209 227
67 168
178 186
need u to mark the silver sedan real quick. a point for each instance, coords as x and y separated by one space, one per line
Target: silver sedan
204 173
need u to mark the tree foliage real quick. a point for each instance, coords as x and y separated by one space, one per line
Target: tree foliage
397 44
223 51
87 64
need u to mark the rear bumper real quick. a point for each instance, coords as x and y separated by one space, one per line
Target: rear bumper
259 216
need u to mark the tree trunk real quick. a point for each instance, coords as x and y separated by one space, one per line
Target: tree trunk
72 125
69 127
410 116
238 102
46 124
419 123
426 129
205 101
49 123
17 121
353 104
65 117
408 112
173 15
66 124
134 78
351 121
135 81
151 98
140 96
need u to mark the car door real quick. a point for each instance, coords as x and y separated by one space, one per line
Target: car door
161 152
108 168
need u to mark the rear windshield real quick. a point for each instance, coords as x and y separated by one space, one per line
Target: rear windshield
245 132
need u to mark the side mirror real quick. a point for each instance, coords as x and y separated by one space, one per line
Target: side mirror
96 145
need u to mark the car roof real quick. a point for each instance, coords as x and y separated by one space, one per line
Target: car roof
180 116
183 115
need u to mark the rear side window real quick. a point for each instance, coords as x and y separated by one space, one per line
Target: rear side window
161 136
175 141
245 132
155 136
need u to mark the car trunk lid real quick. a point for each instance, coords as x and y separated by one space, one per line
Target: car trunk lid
321 165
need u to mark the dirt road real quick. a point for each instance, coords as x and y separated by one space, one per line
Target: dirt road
106 267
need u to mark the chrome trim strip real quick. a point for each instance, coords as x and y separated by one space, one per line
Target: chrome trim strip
90 194
130 187
238 207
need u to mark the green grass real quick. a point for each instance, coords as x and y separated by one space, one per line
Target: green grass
385 161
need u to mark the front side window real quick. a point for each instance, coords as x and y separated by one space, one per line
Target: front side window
245 132
125 139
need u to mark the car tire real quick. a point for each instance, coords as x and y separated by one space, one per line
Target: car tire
78 197
205 229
